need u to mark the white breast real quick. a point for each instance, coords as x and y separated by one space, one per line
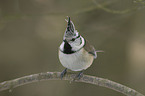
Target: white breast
78 61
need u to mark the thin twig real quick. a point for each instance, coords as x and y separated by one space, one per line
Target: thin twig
69 76
114 11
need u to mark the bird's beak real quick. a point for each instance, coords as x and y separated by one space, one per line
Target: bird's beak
70 30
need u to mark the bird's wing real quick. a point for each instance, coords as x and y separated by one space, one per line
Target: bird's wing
90 49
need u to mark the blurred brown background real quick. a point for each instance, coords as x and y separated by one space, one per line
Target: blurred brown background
32 30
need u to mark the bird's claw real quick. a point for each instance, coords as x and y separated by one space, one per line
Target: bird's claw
78 76
63 73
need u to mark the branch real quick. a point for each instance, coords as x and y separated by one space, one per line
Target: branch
69 76
114 11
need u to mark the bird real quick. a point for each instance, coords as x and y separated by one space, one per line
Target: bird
75 52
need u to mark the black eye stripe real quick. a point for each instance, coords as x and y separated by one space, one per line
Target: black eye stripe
78 36
73 39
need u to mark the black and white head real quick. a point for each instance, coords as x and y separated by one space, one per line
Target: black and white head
72 41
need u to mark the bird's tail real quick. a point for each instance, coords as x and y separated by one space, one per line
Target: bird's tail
97 51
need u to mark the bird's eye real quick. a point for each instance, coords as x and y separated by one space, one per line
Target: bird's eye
73 39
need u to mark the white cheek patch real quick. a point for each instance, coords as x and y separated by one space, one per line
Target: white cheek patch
76 45
61 46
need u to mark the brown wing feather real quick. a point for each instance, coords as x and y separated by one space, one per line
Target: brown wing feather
90 48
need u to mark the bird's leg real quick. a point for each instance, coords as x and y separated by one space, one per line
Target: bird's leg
78 76
63 73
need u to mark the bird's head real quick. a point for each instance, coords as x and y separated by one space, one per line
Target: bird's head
72 37
70 32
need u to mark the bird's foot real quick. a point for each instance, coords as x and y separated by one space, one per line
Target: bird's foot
78 76
63 73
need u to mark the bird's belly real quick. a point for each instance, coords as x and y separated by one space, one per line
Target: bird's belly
78 61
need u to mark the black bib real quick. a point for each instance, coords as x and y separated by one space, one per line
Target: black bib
67 48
